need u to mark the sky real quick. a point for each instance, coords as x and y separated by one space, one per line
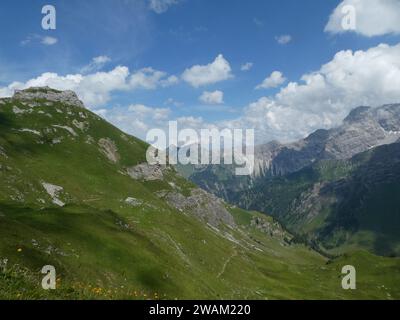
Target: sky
282 67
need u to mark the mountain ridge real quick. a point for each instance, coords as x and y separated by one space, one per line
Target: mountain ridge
363 131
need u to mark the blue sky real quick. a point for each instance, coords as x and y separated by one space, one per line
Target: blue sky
137 34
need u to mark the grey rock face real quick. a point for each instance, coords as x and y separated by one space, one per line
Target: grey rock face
67 97
133 202
364 128
203 205
146 172
358 114
109 149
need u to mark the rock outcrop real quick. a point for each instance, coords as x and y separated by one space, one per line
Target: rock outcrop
109 149
203 205
146 172
46 93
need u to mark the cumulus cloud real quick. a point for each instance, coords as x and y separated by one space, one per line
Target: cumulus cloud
142 111
170 81
273 81
247 66
372 17
201 75
322 99
94 89
283 39
160 6
148 78
215 97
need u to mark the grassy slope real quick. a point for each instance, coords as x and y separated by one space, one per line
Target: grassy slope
104 248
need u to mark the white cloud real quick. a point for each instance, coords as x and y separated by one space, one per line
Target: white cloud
170 81
324 97
49 41
274 80
35 38
101 59
94 89
160 6
247 66
373 17
196 123
216 71
96 64
215 97
142 111
320 99
283 39
101 112
148 78
137 119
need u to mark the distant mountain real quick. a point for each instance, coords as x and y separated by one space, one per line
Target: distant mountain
363 129
338 204
76 193
286 174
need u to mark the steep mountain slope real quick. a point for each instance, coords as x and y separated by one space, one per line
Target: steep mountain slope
339 203
76 193
328 185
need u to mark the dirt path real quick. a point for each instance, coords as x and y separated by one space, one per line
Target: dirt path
226 263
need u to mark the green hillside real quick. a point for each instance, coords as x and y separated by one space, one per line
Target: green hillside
75 194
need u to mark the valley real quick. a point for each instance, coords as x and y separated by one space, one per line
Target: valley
336 189
77 193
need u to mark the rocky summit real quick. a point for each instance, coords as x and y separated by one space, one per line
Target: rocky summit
48 94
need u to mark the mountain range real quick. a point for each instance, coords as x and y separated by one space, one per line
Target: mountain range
336 188
76 193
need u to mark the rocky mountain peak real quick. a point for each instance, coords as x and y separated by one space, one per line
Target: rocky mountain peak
388 117
358 114
47 93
